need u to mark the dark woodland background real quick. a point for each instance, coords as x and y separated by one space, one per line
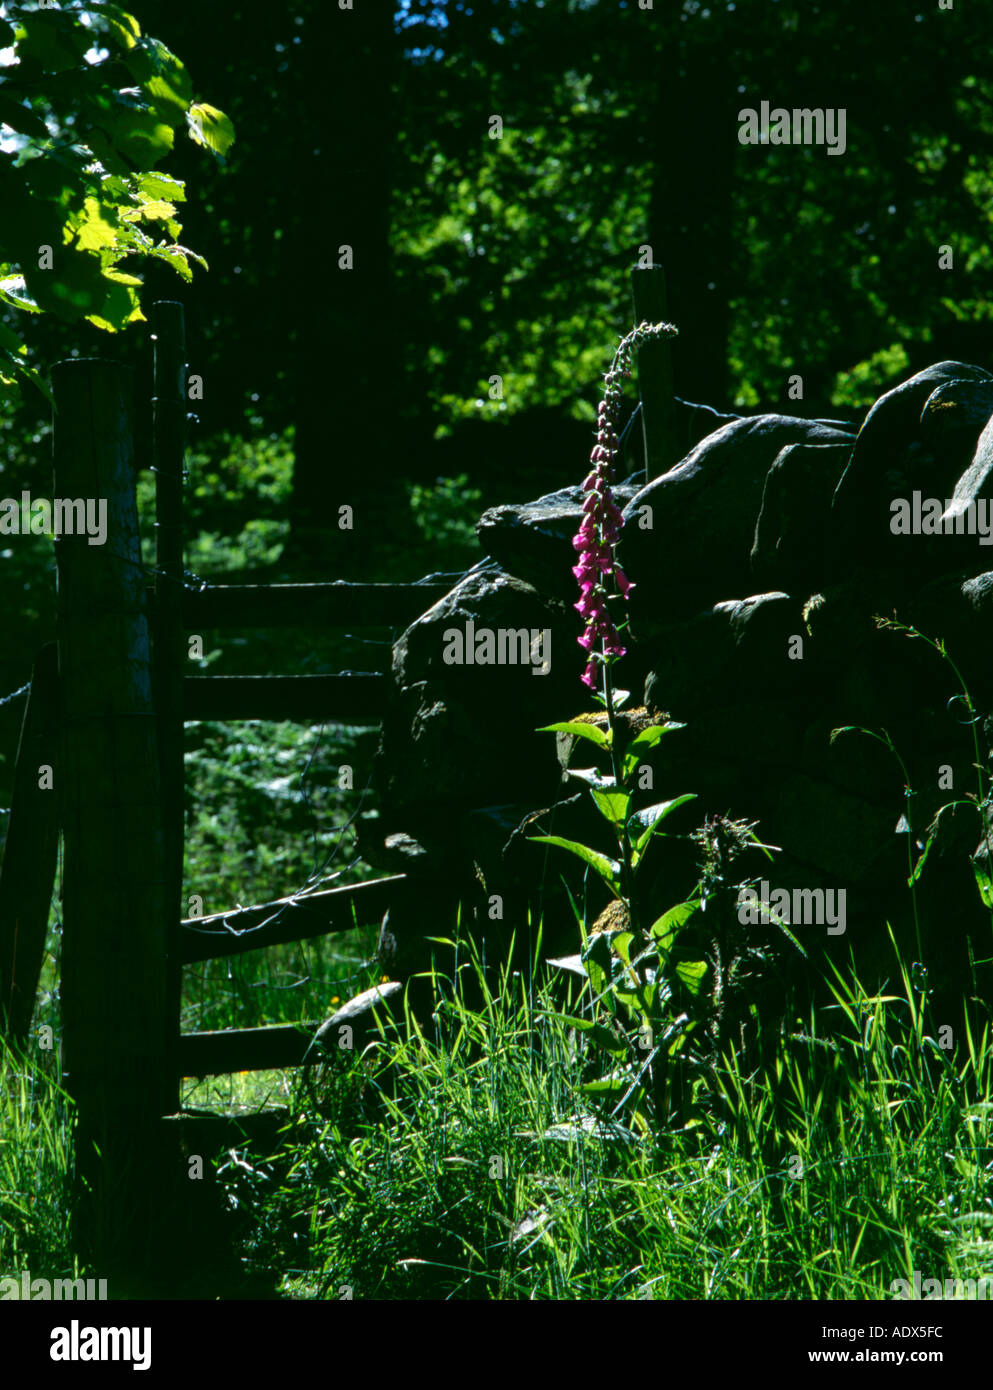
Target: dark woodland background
477 257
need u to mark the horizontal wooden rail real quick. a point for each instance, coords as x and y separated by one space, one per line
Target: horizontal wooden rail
246 1049
358 698
340 604
286 919
209 1132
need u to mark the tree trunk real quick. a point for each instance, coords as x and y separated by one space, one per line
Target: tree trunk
694 130
345 375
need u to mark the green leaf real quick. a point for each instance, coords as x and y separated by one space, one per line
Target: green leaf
14 369
583 1025
640 1002
608 869
607 1040
155 185
692 973
613 805
598 961
179 258
22 119
918 868
620 941
210 127
580 730
97 227
648 738
161 77
155 210
41 384
630 1001
665 929
11 342
14 292
113 18
571 963
653 816
592 778
174 92
984 883
54 39
121 277
610 1085
964 1168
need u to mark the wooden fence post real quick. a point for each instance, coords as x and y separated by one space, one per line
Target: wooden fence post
30 852
114 909
168 450
654 364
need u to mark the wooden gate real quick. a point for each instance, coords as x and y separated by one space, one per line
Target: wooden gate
101 757
105 717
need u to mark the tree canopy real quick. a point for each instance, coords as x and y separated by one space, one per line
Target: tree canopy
485 247
89 105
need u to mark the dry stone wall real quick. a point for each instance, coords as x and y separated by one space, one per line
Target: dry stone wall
762 562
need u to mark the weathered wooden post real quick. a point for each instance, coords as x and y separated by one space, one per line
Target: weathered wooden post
168 449
115 1022
30 853
654 361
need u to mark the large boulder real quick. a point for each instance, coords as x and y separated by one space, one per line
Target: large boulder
694 665
457 730
918 438
533 540
793 532
688 535
969 513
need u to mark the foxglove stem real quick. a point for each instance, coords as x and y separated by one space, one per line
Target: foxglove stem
599 576
600 528
627 871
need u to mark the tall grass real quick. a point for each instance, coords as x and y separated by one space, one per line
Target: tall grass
461 1162
35 1167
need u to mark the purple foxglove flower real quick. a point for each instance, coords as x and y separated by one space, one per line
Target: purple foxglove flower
602 520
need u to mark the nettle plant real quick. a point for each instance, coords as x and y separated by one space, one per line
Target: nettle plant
644 977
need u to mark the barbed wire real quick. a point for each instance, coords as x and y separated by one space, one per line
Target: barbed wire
191 581
7 700
16 694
